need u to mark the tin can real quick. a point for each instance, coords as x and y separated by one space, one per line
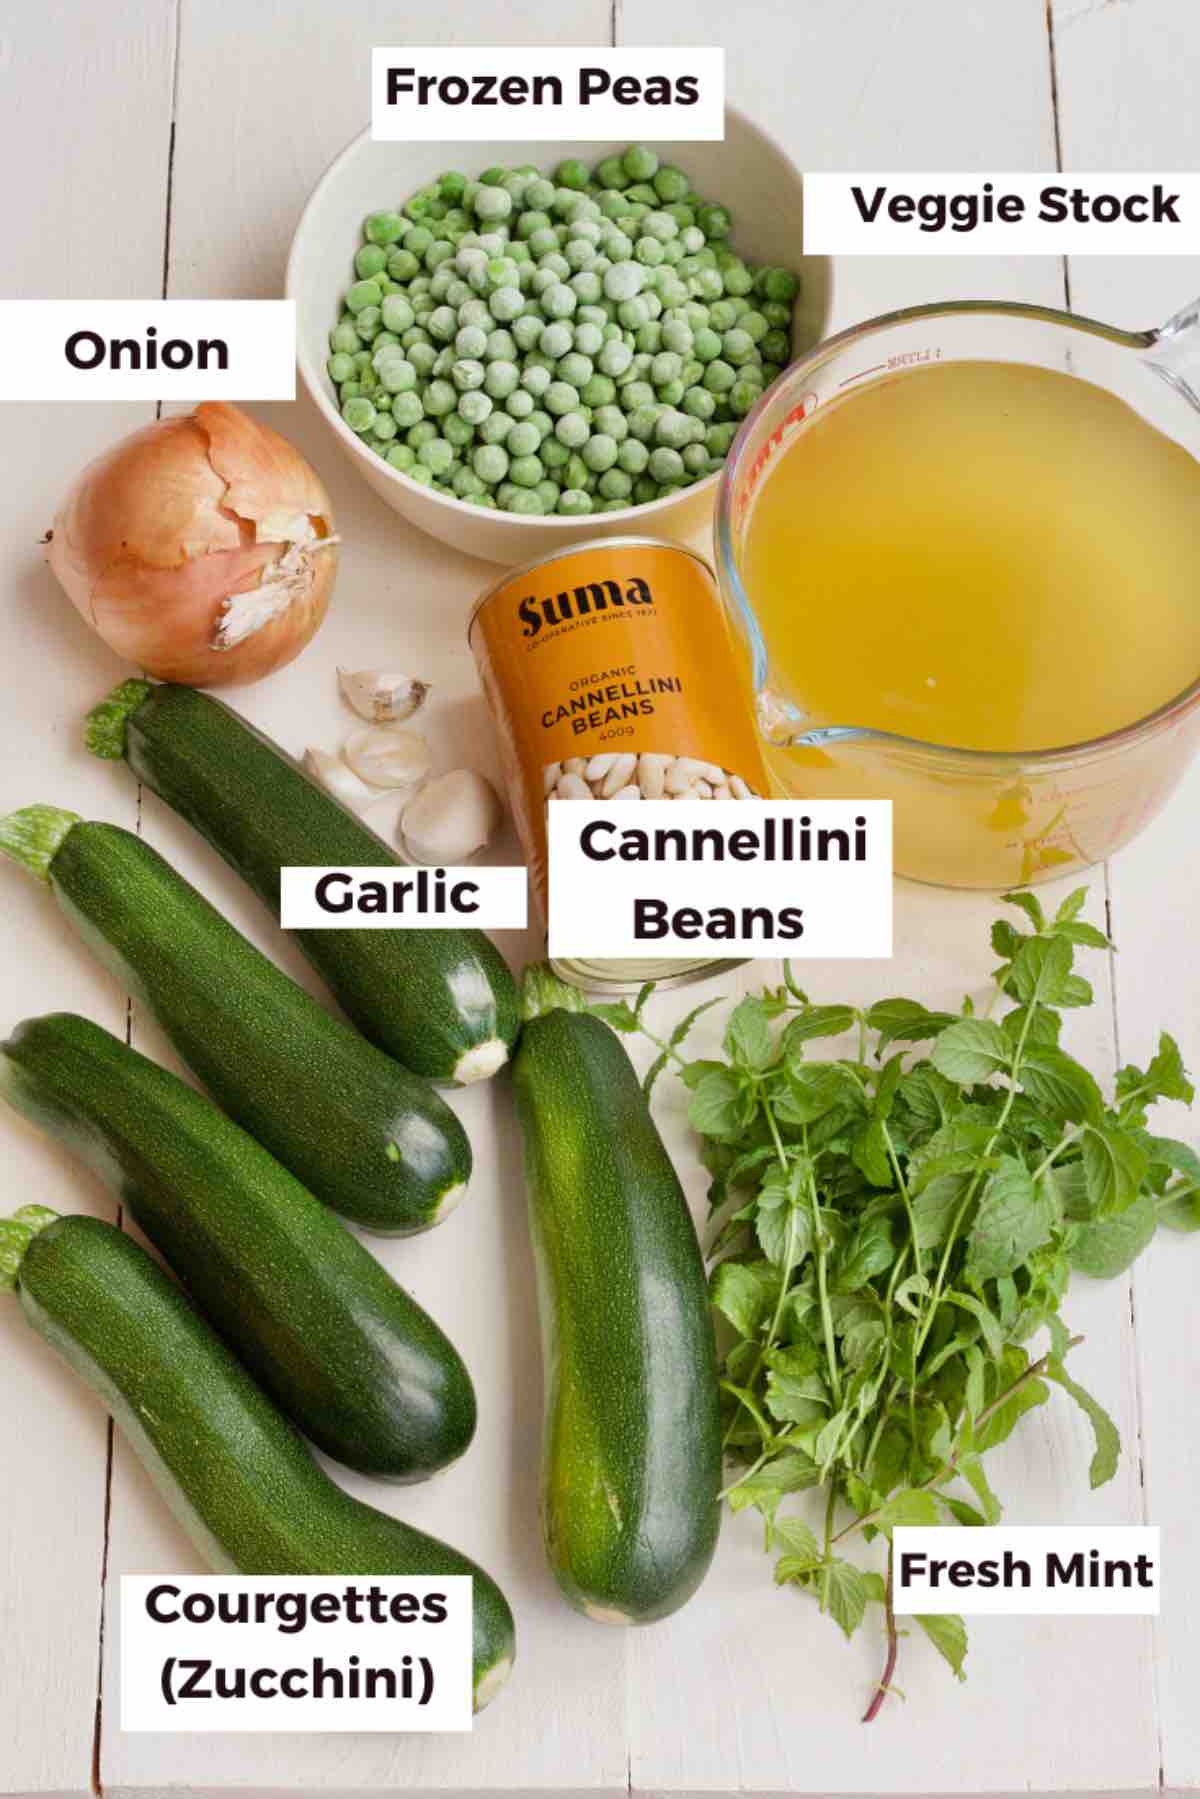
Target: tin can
612 674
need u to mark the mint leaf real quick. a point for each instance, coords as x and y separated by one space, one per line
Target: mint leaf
784 1235
1114 1167
715 1108
1105 1247
1108 1437
1039 970
1060 1085
794 1535
748 1034
905 1021
1014 1218
989 1324
971 1051
790 1472
740 1296
619 1016
816 1021
845 1594
869 1152
1166 1073
1037 1024
1030 905
811 1090
948 1634
909 1506
936 1207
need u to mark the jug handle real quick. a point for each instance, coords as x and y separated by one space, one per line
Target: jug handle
1174 349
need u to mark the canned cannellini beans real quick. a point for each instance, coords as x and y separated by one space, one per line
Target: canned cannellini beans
612 675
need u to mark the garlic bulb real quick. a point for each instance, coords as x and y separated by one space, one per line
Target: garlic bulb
380 695
338 779
451 819
384 756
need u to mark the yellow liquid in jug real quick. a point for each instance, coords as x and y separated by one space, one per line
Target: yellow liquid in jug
978 554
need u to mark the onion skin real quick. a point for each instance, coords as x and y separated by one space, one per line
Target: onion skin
159 532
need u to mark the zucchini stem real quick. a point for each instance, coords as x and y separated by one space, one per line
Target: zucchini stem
16 1234
33 836
104 727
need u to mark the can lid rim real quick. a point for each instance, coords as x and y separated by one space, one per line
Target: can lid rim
631 540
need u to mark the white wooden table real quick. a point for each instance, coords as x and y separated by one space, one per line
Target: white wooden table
167 146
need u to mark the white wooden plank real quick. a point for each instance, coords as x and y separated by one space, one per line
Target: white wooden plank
962 88
401 599
1122 74
78 221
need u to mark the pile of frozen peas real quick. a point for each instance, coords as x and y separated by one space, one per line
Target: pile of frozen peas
566 345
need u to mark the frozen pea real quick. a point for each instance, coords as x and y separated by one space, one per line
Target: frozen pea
506 304
467 373
556 339
643 420
671 392
677 335
436 454
639 163
714 221
743 395
777 315
754 324
774 347
541 280
490 462
611 422
368 323
615 484
397 375
401 456
536 378
475 407
624 281
442 324
340 366
579 254
501 379
470 342
439 251
523 439
645 490
588 338
649 337
632 456
527 503
616 244
539 194
527 331
738 279
648 251
665 464
598 390
708 284
634 313
444 361
370 260
457 293
359 414
611 173
407 409
344 337
561 397
718 438
547 491
422 356
670 183
573 502
770 372
738 347
553 452
383 401
691 239
501 346
495 428
699 403
542 422
422 433
777 284
520 404
599 452
457 430
384 340
402 265
615 357
588 287
556 265
666 367
635 394
384 227
673 429
418 472
575 369
572 429
525 470
493 203
543 241
439 398
417 240
572 173
719 376
466 483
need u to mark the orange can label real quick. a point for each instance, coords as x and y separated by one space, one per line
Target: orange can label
612 674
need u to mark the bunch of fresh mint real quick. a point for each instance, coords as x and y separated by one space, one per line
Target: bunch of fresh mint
891 1232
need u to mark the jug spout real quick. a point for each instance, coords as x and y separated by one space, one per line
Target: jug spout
1173 351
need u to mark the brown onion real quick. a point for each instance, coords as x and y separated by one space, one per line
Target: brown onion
200 548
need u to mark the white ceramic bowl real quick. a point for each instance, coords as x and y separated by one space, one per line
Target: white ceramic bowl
747 172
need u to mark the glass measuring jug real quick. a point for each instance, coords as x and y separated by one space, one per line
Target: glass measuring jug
963 817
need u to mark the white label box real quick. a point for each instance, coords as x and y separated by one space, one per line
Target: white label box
1035 1570
390 899
495 95
746 877
314 1652
147 350
939 214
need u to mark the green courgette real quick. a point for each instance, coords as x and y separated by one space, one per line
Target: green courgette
235 1474
370 1139
632 1451
343 1351
442 1002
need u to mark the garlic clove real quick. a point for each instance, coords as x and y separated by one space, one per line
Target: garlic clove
385 756
338 779
381 696
451 819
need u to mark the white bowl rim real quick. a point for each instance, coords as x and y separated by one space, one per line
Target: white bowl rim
551 523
